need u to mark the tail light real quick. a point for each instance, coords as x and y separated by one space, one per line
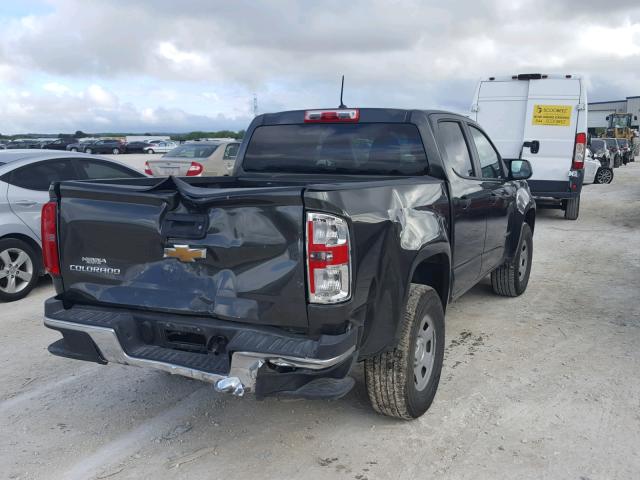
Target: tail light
195 169
147 169
330 116
328 258
579 151
49 232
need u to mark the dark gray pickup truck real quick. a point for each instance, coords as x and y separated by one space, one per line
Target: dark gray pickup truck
341 237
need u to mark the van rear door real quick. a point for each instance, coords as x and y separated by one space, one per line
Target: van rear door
552 119
547 110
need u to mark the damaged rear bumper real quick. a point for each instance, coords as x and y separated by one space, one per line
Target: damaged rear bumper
246 354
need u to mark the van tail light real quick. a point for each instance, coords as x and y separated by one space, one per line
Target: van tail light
49 232
330 116
147 169
195 169
579 151
328 258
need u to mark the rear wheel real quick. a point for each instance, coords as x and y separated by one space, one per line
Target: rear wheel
150 151
402 382
512 278
604 175
115 151
74 149
572 209
88 150
19 269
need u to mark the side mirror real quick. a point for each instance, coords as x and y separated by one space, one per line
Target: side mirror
607 117
520 170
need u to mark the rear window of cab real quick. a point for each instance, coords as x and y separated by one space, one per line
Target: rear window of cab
357 148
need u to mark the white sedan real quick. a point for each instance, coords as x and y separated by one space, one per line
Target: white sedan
160 147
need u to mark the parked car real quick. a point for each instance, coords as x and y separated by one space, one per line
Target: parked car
22 144
614 151
78 146
538 117
195 159
25 176
59 143
106 146
136 147
160 147
625 150
600 152
342 237
591 166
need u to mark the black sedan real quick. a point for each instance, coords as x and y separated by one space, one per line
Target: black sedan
59 143
137 147
23 144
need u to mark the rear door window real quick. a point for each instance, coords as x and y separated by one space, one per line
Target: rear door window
231 151
361 148
93 169
192 151
455 147
39 176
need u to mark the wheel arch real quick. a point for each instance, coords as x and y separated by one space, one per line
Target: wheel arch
432 267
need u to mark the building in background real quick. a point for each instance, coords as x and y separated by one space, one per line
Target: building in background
598 112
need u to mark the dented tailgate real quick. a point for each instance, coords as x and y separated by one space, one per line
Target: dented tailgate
231 253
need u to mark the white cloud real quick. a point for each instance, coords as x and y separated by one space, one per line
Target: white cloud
56 88
161 61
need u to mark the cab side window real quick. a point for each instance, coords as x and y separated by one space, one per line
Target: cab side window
455 148
489 159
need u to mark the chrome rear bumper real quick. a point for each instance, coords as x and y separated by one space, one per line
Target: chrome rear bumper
240 379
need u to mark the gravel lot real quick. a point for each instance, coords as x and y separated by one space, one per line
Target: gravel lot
542 386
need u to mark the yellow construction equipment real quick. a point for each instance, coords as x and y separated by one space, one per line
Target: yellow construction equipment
620 126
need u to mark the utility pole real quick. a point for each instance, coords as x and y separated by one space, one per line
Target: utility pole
255 105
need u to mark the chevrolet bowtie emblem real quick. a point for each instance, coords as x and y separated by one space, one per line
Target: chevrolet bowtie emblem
185 253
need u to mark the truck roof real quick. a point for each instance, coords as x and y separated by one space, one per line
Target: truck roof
387 115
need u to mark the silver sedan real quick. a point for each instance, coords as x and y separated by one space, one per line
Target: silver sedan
25 176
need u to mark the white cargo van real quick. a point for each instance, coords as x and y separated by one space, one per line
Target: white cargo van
541 118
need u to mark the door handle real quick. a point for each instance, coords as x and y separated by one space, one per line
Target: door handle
464 202
25 203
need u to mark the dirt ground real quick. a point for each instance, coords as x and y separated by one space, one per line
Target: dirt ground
545 386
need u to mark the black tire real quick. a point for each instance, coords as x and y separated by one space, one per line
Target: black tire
13 246
390 378
115 151
604 175
512 278
88 150
74 149
572 209
150 151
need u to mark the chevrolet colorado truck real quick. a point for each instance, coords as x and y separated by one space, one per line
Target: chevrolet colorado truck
340 238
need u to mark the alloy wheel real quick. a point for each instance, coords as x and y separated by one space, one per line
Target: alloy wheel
16 270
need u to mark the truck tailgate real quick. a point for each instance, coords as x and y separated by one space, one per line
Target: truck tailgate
231 253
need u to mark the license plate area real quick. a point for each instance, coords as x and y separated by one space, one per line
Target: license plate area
185 339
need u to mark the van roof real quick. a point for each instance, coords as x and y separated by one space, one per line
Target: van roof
533 76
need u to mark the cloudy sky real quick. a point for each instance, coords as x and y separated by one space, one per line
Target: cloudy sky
166 65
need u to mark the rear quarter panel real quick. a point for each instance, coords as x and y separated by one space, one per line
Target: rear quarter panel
391 226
